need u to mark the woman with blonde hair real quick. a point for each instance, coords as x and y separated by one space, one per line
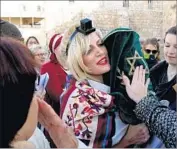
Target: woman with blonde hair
86 105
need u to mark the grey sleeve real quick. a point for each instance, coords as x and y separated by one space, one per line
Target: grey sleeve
160 120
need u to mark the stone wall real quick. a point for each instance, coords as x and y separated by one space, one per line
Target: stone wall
169 15
111 14
147 23
138 16
148 20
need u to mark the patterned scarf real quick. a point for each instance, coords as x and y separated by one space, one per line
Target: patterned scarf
90 113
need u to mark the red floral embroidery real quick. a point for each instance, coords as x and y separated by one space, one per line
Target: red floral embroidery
85 104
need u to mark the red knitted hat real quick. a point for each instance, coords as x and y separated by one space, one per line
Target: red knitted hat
55 42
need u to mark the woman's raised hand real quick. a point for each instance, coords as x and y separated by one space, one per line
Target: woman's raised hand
61 134
138 88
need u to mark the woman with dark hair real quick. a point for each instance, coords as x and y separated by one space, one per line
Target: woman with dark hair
31 41
14 33
19 108
163 75
151 51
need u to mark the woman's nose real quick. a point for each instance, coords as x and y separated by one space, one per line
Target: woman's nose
100 51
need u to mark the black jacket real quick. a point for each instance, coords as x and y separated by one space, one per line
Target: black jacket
161 121
164 90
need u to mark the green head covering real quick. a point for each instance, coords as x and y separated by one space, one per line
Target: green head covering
125 54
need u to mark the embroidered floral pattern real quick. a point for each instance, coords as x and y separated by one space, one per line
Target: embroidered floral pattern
82 109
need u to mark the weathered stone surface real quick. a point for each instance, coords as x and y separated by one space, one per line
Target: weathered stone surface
169 14
148 20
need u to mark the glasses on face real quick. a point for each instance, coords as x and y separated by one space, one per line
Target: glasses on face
32 42
42 54
148 51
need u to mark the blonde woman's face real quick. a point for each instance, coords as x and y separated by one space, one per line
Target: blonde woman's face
96 59
170 49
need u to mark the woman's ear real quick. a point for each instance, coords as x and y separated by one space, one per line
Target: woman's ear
22 144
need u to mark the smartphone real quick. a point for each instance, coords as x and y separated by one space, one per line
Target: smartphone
42 83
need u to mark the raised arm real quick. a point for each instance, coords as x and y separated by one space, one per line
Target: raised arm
159 119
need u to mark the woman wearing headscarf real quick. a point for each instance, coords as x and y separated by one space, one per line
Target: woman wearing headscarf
57 74
57 78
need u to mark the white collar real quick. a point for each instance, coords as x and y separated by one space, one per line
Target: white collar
99 86
66 71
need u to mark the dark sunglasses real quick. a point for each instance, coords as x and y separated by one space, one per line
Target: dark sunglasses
151 51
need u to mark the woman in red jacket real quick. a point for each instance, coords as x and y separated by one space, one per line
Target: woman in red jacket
57 77
57 74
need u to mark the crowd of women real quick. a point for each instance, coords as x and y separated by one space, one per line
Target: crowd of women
102 92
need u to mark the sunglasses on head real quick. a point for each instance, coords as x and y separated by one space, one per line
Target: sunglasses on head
148 51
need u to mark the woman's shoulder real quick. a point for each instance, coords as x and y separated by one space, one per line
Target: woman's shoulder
70 87
49 63
158 73
49 66
46 67
159 67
